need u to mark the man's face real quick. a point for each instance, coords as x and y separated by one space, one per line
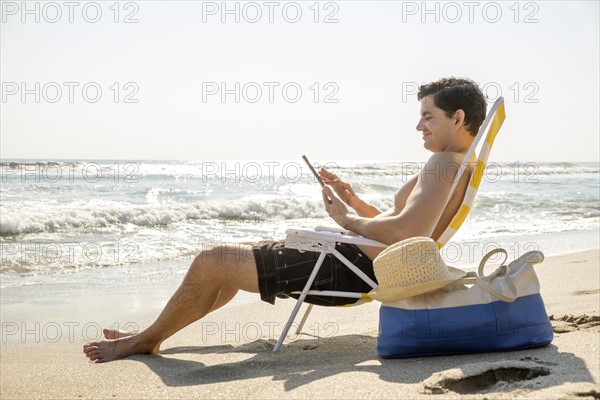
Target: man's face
436 127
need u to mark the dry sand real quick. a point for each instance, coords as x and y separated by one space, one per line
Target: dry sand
228 354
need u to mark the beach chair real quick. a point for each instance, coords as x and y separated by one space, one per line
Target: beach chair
323 239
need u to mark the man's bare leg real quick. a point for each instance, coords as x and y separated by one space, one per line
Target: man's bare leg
225 295
206 287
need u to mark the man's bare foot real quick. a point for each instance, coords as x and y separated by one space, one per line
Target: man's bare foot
109 350
116 334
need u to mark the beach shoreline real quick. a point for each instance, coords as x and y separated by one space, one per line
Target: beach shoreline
228 353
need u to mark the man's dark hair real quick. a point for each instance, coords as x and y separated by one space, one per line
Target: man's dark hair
451 94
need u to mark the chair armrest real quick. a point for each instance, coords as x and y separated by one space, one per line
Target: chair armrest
335 229
313 240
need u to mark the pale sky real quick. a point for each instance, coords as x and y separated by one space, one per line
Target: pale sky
335 90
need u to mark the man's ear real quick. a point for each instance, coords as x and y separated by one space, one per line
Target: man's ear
459 118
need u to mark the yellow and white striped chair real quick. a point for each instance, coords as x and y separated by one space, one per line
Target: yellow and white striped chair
494 119
323 239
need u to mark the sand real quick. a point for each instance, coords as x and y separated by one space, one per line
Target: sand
228 354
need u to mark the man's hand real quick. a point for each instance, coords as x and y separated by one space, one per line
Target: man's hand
335 207
343 189
347 195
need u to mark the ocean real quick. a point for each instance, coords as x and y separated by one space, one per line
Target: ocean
73 222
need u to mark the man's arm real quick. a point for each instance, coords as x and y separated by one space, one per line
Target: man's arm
423 206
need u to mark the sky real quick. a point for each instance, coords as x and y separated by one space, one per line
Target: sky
193 80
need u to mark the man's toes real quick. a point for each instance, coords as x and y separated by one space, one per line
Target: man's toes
89 350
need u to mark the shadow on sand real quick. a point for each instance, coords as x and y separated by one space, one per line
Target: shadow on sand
308 359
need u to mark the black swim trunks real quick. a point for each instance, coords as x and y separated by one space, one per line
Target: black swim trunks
284 270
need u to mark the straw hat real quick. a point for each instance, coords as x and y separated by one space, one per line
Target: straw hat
411 267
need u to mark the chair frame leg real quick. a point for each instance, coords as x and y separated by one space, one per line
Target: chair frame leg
304 318
288 325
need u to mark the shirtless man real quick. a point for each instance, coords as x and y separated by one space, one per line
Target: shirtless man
452 110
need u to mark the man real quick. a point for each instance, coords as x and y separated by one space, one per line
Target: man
452 110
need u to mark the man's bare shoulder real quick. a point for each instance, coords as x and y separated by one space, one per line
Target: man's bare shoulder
444 159
442 166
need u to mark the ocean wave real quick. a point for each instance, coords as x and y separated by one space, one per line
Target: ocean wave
90 217
39 164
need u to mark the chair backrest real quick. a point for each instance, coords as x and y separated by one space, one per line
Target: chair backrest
494 120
